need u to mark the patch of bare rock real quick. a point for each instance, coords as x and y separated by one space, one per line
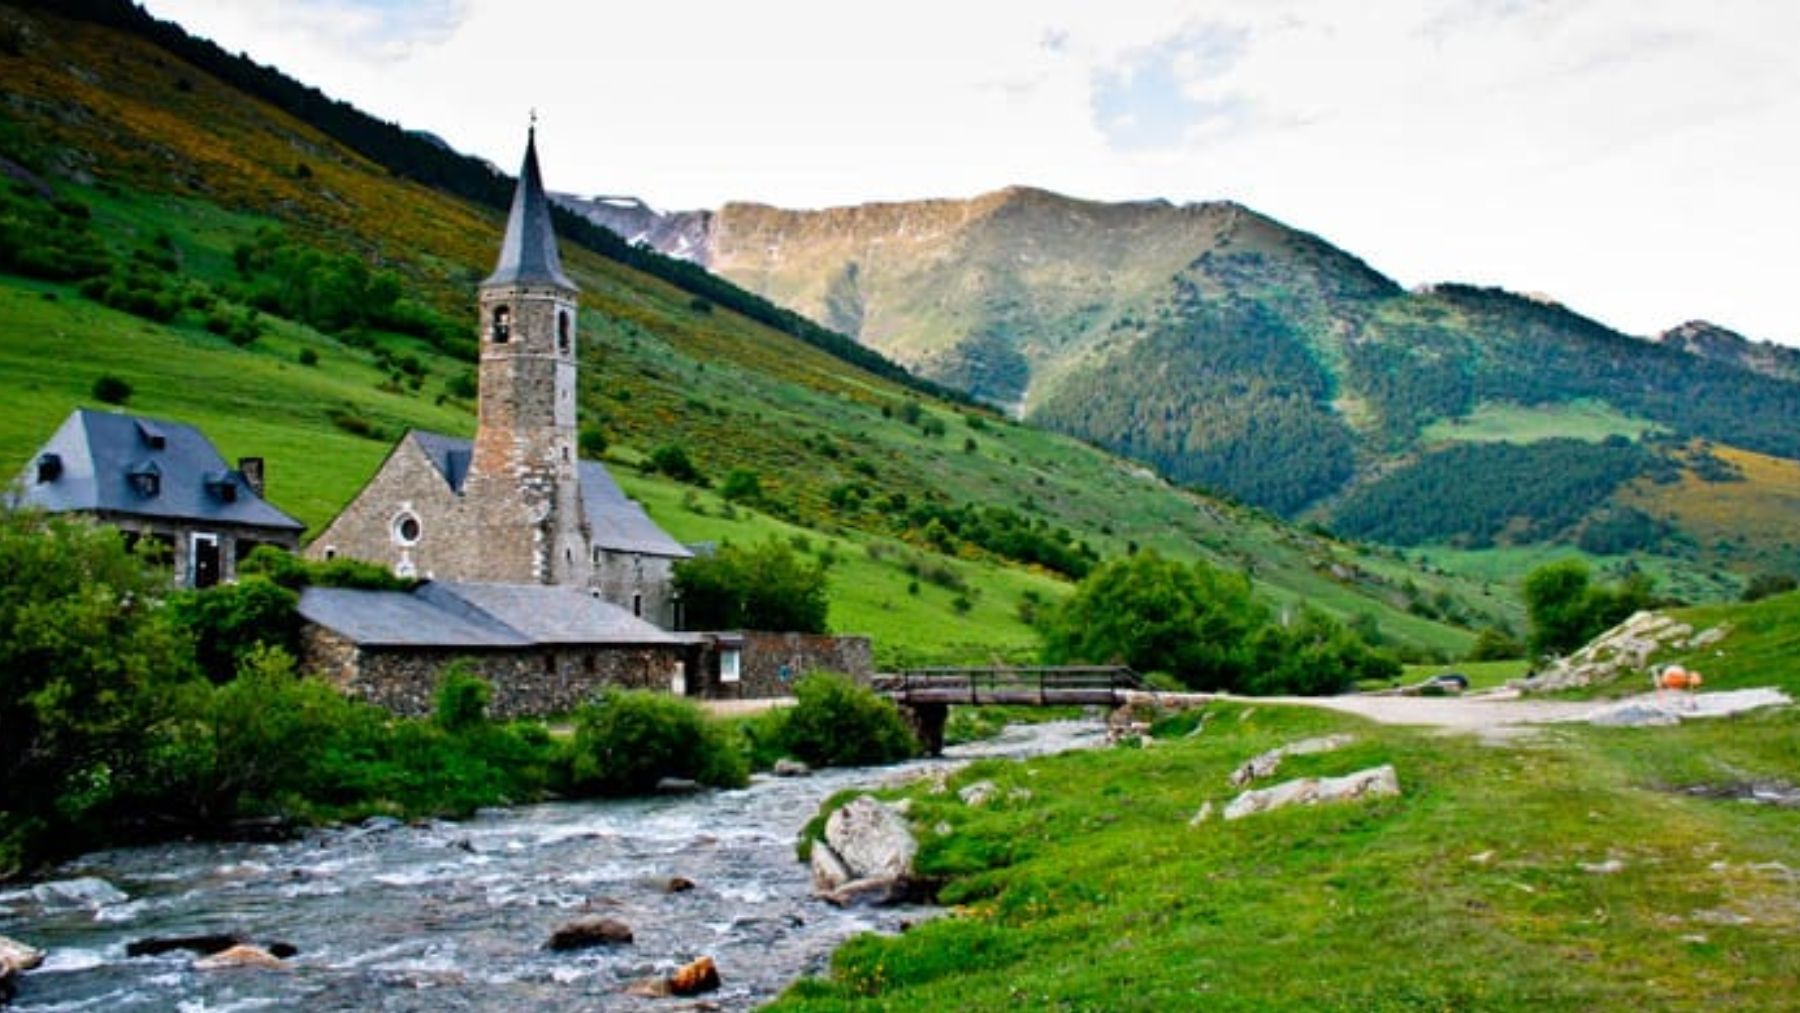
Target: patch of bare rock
15 959
1626 649
1375 782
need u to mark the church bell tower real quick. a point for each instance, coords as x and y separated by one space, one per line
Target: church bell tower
523 487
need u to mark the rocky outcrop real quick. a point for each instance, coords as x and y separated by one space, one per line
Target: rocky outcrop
62 895
1626 649
786 767
586 933
1375 782
1266 764
866 856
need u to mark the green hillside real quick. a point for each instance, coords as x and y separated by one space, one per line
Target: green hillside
244 271
1236 354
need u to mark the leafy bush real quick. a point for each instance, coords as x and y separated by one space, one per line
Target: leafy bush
628 740
1567 609
837 722
230 621
1764 585
295 573
742 485
763 587
672 460
111 390
592 442
462 698
1493 644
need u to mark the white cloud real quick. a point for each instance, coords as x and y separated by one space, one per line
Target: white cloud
1635 158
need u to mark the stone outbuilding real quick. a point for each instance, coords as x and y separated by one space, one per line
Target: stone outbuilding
544 649
158 480
515 505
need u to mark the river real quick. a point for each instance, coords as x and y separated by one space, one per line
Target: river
454 915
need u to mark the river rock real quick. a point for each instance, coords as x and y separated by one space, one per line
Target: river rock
584 933
1265 765
69 894
1374 782
695 978
678 884
872 840
15 959
786 767
242 955
204 945
978 794
828 871
650 988
678 786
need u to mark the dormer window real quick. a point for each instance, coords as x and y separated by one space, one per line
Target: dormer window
49 467
221 487
145 480
502 331
562 332
152 436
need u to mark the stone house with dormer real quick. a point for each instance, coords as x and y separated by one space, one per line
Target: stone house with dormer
157 480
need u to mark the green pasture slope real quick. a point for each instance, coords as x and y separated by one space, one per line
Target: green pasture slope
1581 868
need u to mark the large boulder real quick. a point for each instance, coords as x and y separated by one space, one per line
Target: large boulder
872 840
692 979
866 856
1374 782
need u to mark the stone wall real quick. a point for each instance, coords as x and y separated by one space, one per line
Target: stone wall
530 682
407 483
772 662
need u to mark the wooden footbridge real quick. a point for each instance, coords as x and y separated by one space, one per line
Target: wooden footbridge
925 695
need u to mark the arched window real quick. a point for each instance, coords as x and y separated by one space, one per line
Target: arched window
562 331
502 325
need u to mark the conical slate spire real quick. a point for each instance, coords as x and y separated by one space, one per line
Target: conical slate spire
528 253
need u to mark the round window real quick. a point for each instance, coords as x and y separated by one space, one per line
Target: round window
406 529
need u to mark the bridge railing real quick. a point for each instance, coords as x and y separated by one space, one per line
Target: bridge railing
1040 685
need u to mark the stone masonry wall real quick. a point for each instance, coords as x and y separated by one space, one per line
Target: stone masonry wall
532 682
407 482
772 662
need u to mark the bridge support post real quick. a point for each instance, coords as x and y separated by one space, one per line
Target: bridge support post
927 723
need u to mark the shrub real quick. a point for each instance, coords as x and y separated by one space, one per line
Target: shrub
672 460
111 390
231 621
742 485
592 443
462 698
1764 585
763 587
1495 644
838 723
1567 609
628 740
308 357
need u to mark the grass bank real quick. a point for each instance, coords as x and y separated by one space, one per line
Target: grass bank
1564 872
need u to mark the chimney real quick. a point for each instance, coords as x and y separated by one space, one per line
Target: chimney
252 470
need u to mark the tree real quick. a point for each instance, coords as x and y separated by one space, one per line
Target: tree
742 485
763 587
87 654
1157 615
672 460
1567 610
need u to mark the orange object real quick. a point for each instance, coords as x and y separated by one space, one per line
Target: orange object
1677 678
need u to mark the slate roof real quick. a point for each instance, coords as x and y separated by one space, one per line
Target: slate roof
447 614
126 464
528 253
619 524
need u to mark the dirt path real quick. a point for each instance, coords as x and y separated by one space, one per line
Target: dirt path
1504 714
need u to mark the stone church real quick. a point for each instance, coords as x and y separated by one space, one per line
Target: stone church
515 505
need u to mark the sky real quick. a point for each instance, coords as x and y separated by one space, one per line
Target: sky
1636 160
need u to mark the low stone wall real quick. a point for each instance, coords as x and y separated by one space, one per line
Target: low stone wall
772 662
530 682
